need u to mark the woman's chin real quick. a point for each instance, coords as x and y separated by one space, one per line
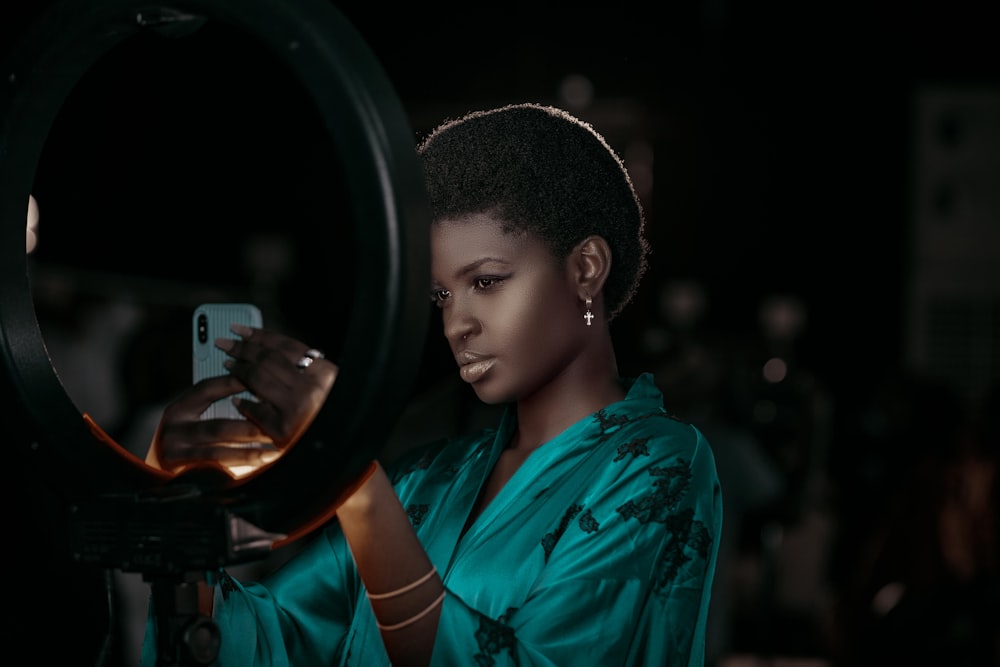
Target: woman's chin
489 394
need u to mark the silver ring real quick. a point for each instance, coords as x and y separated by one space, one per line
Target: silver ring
309 356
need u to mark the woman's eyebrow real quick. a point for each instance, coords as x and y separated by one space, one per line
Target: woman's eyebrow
472 266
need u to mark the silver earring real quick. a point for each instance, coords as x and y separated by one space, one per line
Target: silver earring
589 315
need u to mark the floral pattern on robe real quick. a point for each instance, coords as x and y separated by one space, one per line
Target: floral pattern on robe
599 550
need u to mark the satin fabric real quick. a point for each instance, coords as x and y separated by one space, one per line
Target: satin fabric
600 550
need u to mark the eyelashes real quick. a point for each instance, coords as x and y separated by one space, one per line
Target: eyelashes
438 296
480 284
487 283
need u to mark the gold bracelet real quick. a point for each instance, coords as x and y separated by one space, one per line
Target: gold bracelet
412 619
404 589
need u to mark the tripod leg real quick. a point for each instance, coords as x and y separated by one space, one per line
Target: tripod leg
184 636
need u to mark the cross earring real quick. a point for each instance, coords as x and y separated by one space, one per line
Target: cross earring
589 315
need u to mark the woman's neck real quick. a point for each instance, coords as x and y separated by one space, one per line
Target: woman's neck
572 396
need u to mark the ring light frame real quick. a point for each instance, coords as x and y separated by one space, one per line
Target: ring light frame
375 148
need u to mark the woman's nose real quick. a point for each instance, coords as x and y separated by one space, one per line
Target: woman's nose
459 324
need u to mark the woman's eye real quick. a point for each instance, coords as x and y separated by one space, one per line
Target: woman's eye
440 296
486 283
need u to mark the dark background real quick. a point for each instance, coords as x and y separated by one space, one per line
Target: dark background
783 136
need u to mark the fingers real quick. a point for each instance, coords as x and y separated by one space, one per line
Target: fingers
231 442
264 360
258 345
286 400
264 346
287 396
190 404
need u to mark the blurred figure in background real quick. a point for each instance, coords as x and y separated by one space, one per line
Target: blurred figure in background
920 580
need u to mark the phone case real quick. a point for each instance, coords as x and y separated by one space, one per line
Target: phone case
211 321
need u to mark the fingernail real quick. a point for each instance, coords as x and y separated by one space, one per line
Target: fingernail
224 344
240 329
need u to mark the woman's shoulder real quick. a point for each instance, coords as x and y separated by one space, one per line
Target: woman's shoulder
643 417
640 430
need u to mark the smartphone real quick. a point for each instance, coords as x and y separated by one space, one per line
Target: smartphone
211 321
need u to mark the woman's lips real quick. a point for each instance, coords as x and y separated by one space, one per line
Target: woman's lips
473 366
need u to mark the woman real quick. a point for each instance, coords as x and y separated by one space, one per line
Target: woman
582 530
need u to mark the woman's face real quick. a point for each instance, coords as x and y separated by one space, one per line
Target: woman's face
511 314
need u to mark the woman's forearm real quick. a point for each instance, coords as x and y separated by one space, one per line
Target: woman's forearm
405 591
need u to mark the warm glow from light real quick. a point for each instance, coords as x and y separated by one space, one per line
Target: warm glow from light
31 237
576 91
775 370
887 597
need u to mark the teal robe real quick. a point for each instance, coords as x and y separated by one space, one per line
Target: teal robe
600 550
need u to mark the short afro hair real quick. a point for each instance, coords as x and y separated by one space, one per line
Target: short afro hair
543 171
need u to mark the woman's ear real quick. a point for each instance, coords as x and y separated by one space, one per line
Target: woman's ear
589 264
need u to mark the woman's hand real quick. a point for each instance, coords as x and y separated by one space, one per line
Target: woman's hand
289 395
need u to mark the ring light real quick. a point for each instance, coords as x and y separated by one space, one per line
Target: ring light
375 148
